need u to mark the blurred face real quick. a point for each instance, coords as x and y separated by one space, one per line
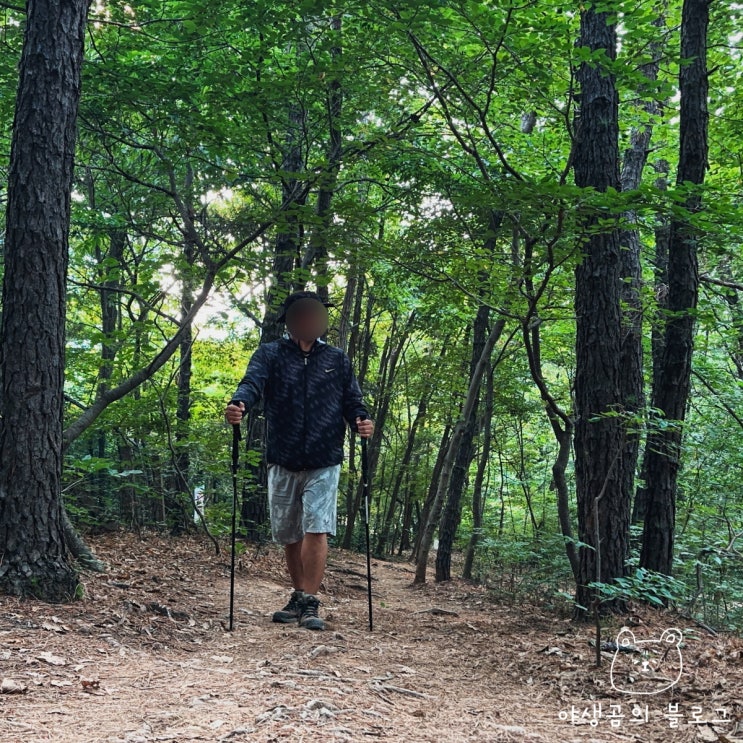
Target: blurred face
307 320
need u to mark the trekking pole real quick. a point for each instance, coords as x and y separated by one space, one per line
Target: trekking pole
235 461
365 479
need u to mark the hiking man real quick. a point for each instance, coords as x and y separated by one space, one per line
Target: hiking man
310 394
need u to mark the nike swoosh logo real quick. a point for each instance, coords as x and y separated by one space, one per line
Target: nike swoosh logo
327 371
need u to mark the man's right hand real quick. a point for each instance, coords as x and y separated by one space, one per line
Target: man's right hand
234 413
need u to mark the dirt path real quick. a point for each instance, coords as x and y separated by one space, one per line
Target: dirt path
144 657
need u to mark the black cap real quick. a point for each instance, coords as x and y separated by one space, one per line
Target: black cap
292 298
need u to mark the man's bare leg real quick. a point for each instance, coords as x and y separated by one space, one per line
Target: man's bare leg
306 561
293 553
314 555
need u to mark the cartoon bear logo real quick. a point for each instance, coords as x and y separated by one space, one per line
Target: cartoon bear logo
646 666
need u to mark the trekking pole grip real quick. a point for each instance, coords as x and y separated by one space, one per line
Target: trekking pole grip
236 437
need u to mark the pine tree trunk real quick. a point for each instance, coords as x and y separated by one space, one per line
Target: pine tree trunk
32 348
657 331
603 511
632 378
664 443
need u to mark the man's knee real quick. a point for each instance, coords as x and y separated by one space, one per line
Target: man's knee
315 539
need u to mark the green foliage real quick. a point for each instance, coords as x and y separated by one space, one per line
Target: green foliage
219 518
646 586
523 569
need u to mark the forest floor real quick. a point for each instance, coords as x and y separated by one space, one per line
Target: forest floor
145 657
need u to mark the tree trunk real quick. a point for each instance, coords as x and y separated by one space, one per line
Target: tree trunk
632 380
110 306
657 331
317 252
402 470
452 514
359 348
389 360
478 492
598 432
32 347
632 376
178 496
562 430
407 517
448 463
453 509
432 490
180 502
664 442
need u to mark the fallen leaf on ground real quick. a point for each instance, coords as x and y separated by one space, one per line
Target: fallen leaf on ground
52 659
10 686
52 627
323 650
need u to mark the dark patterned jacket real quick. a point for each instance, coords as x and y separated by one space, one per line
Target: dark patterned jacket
308 400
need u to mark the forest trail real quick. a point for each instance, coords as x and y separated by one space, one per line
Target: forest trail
145 657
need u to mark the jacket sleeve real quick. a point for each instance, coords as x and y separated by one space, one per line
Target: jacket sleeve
253 384
353 407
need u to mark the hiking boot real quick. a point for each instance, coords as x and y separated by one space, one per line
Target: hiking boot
308 617
290 613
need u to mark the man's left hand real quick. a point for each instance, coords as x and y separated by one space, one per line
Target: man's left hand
365 427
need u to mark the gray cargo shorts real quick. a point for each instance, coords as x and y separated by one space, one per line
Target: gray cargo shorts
302 502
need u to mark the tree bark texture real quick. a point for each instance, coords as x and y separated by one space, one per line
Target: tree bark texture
657 335
32 349
672 391
632 377
598 432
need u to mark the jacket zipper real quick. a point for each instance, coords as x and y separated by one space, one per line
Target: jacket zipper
304 414
304 411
